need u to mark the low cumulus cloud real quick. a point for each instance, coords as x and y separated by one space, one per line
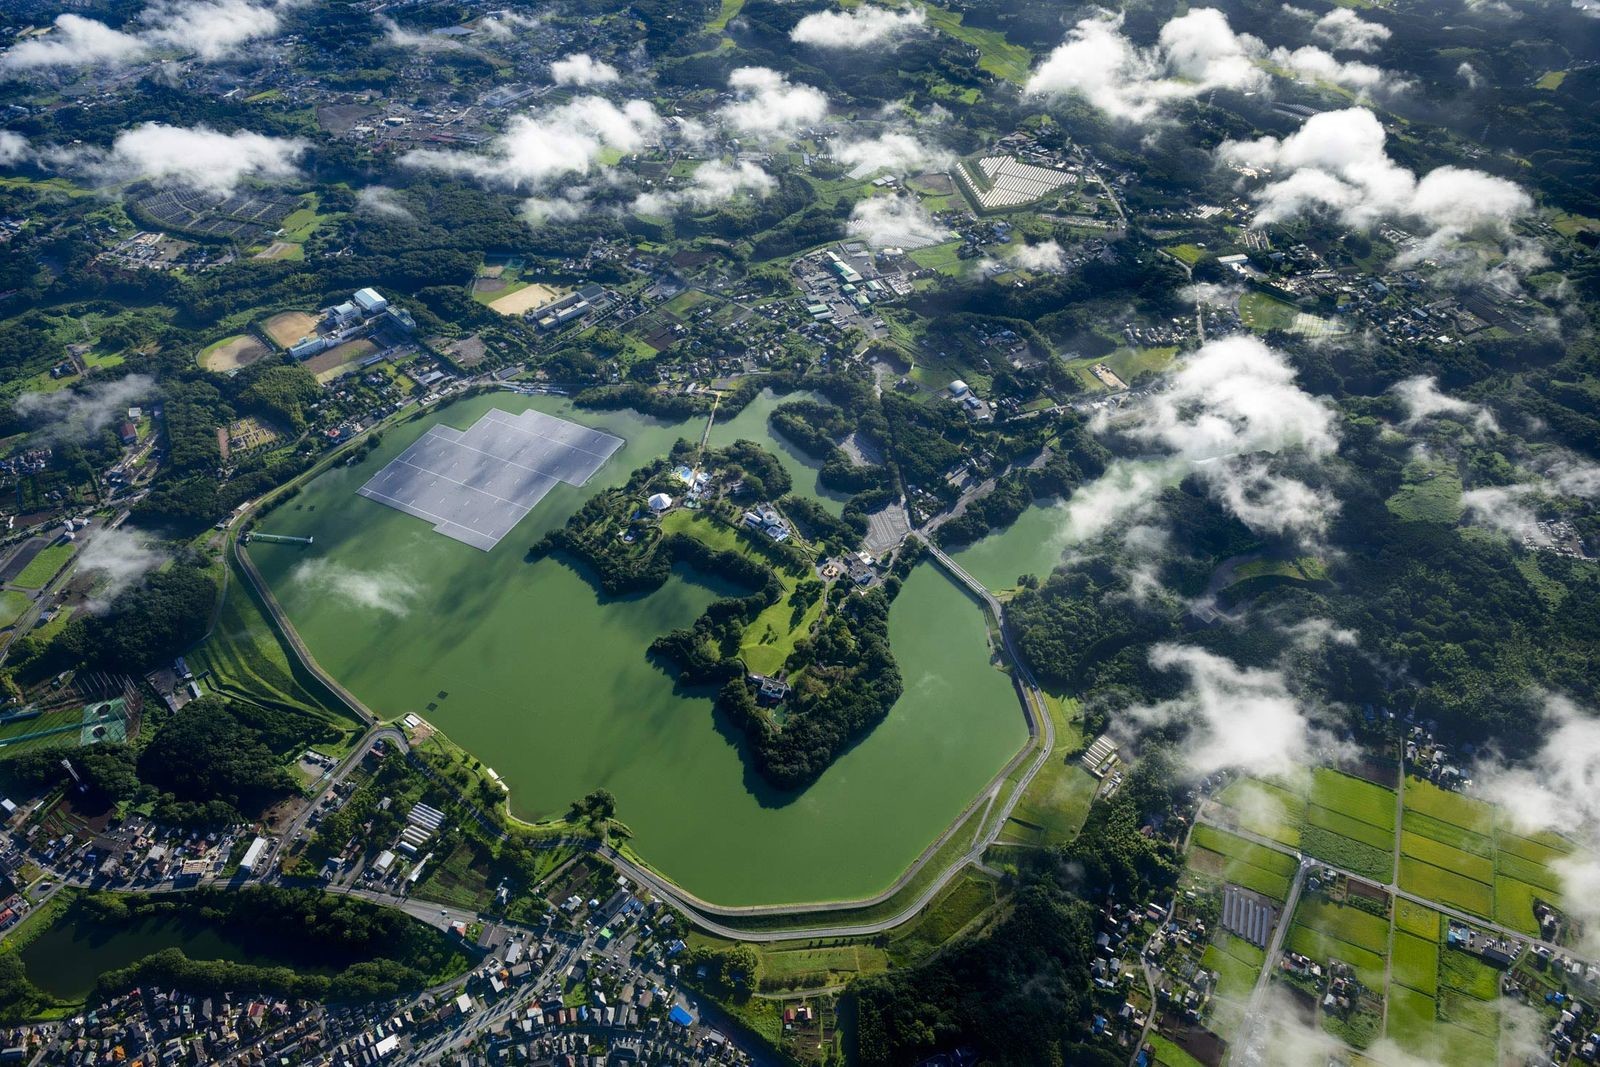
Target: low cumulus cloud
1336 164
711 184
1228 409
389 592
766 104
210 29
583 69
1515 509
1046 257
1243 718
894 222
14 148
197 158
1558 788
536 149
896 152
504 25
1423 401
1469 74
1343 28
81 413
1195 53
867 26
119 559
382 201
1312 64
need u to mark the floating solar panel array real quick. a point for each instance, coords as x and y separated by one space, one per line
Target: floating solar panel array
474 485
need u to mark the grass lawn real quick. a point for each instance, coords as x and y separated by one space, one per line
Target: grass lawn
998 56
1188 255
1355 829
1447 887
57 623
1416 963
1261 313
1552 80
1478 868
941 258
1170 1055
961 903
1237 963
1446 806
1354 797
1412 918
12 604
725 15
1415 822
809 968
1437 499
42 567
1057 802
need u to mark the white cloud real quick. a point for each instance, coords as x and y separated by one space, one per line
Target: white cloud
1046 257
209 29
570 205
390 592
199 158
1344 29
583 69
14 148
1514 509
382 201
1243 718
1558 788
865 27
1312 64
711 184
1423 400
1195 53
1336 164
895 152
894 221
79 414
1227 408
120 559
1469 74
766 104
535 149
400 37
503 25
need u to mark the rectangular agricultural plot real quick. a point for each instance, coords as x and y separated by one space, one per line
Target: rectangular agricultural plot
1447 887
1353 797
474 485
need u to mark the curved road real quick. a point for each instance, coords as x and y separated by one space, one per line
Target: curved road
704 914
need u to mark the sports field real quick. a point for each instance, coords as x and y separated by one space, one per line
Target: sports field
287 327
530 297
232 353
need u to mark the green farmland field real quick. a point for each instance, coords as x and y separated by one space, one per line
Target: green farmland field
1453 808
1416 822
1265 809
1324 948
1353 797
1341 851
1442 855
1416 963
1535 874
1513 904
1414 919
1446 887
1342 824
1346 923
1528 848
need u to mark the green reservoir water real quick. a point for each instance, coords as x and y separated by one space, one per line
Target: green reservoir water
66 959
548 681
